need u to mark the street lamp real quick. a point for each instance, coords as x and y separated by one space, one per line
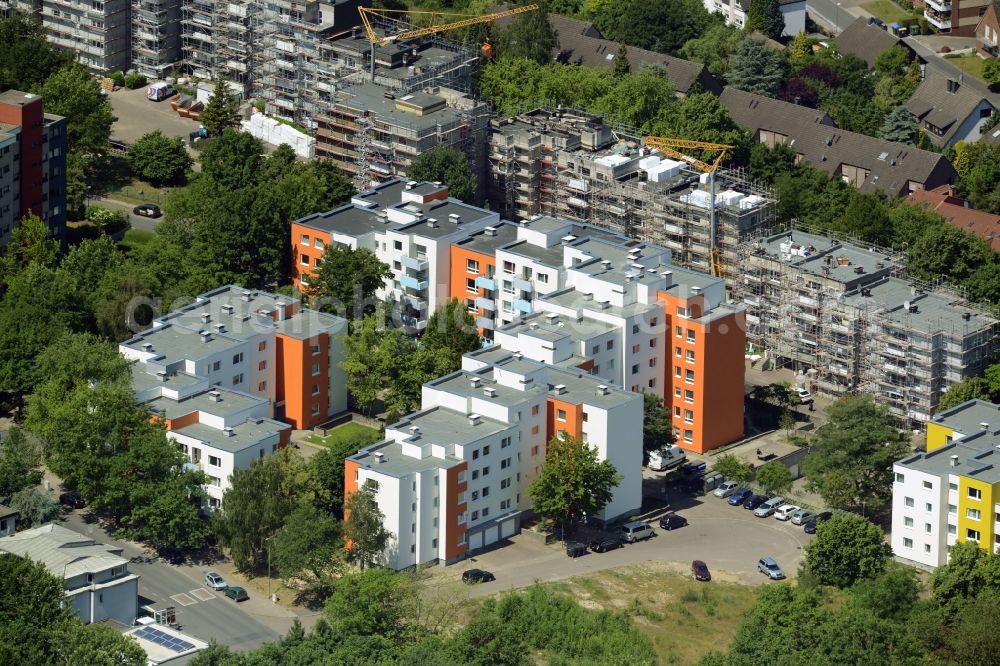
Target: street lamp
836 25
267 544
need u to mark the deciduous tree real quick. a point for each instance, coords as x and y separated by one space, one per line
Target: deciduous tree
765 17
364 528
309 545
733 468
347 280
35 506
530 37
847 549
447 165
657 427
158 159
72 92
27 58
20 463
451 331
370 360
774 478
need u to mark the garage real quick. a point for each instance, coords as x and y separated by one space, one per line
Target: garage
475 540
508 528
491 535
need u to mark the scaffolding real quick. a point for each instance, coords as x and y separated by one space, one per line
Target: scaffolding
156 42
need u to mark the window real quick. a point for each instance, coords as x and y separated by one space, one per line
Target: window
304 239
237 379
508 267
635 329
952 530
690 336
397 266
534 410
952 509
689 377
262 346
688 416
635 349
505 483
972 514
679 332
610 345
508 287
635 369
486 511
688 436
304 259
652 342
475 454
315 389
237 358
908 501
689 396
505 442
596 349
534 430
927 548
315 350
927 507
927 528
397 245
262 365
952 487
975 493
971 535
214 461
470 286
216 366
315 410
899 477
907 543
262 386
585 417
652 383
690 356
318 243
677 412
543 278
215 481
534 450
928 485
315 369
486 491
505 463
471 266
475 515
561 414
475 495
908 522
677 352
677 373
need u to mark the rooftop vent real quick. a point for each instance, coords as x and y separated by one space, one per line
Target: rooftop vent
588 297
205 335
568 239
533 326
474 382
559 389
602 389
475 419
966 316
229 432
490 231
220 328
431 222
490 392
411 184
415 430
859 269
914 309
606 263
605 305
227 308
518 355
553 317
161 375
696 289
215 396
147 346
984 425
954 461
454 218
205 317
246 296
379 456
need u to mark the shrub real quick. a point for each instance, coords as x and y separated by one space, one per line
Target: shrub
118 78
134 80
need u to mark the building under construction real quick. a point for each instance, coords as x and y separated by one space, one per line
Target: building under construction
571 164
845 317
374 133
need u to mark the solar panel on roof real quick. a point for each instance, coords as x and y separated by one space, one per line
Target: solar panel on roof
172 643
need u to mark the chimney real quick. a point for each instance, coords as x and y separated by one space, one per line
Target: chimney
553 317
588 297
411 184
431 222
220 328
954 461
147 346
518 355
215 396
490 392
474 382
227 308
205 335
474 419
454 218
229 432
490 231
246 297
568 239
606 263
966 316
379 456
696 290
205 317
559 389
280 305
602 389
414 430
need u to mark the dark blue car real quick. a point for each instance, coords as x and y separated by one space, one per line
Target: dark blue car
694 469
754 501
740 496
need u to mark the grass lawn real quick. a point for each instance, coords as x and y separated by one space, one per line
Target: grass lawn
887 10
347 432
135 237
969 63
684 619
138 192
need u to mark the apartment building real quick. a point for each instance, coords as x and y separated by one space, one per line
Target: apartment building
97 32
32 164
96 581
950 493
408 225
156 37
735 13
571 164
842 316
957 17
453 477
375 134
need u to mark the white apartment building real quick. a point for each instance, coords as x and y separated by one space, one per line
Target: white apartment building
453 477
735 13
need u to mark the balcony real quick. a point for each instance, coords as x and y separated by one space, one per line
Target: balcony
415 264
486 283
939 6
523 285
486 304
522 305
940 20
413 283
484 323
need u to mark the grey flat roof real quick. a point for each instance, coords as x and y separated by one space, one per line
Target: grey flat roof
548 256
231 402
384 194
440 211
350 220
581 387
180 342
396 464
571 328
935 312
571 298
965 418
460 383
63 552
978 457
487 244
143 381
817 248
246 434
371 97
308 323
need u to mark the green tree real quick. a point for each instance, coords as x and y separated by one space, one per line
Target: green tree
621 66
530 37
35 506
847 548
970 388
755 68
309 546
657 426
31 242
733 468
347 280
641 100
254 507
233 159
447 165
865 217
27 58
900 125
955 254
853 453
364 529
765 17
371 355
702 117
158 159
373 602
72 92
327 468
800 47
774 478
222 111
412 367
714 47
656 26
451 331
975 635
962 578
891 596
572 483
97 645
894 61
20 463
991 71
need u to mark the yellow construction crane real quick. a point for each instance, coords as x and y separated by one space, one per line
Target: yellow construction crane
669 147
464 20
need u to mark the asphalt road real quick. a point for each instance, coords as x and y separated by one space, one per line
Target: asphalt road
136 221
828 13
216 618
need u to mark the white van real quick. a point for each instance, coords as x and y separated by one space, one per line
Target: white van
666 458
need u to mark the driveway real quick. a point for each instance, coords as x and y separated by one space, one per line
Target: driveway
729 539
138 115
202 613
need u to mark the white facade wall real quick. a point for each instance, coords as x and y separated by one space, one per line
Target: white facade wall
104 597
617 436
390 499
920 532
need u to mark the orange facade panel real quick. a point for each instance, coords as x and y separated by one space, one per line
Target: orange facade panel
562 415
460 275
454 533
308 253
303 379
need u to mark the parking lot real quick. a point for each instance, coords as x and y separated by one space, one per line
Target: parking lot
138 115
729 539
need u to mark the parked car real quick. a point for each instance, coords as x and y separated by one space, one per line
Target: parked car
700 571
473 576
810 527
785 511
726 489
753 502
666 458
606 544
770 568
805 397
237 593
636 531
73 500
802 516
147 210
671 521
694 469
740 496
769 507
215 581
575 549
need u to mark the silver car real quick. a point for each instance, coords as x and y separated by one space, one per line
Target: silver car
802 516
726 489
215 581
768 507
770 568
